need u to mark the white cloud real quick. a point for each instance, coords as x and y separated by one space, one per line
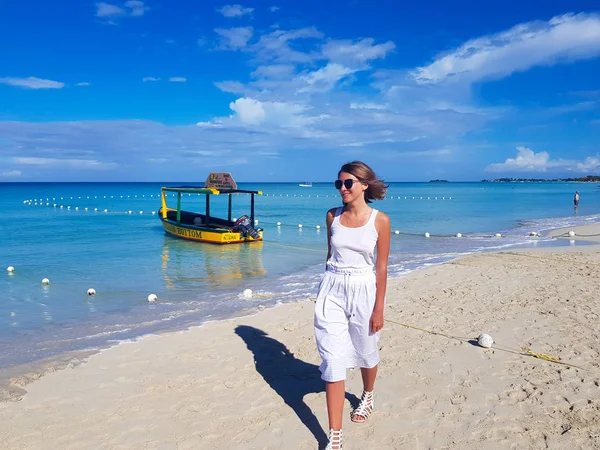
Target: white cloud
136 7
213 124
367 105
275 46
32 83
576 107
364 143
274 8
233 87
146 79
234 38
274 71
249 111
563 38
254 112
326 77
529 161
234 10
362 51
132 8
83 83
590 164
178 79
72 163
108 10
11 174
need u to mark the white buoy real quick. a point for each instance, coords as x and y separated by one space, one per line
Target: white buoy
45 281
152 298
91 291
427 235
278 224
485 340
129 212
498 235
255 221
141 212
458 235
299 225
153 212
247 293
10 269
571 233
318 227
396 232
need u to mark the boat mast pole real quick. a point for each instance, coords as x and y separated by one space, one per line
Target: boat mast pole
164 204
207 209
178 208
229 209
252 209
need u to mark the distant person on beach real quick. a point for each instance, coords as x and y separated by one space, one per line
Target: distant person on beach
351 297
576 199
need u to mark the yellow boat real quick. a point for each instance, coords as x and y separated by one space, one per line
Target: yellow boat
204 227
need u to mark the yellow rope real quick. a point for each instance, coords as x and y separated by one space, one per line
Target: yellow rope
500 347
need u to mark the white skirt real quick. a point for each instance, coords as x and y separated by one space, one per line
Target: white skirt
345 302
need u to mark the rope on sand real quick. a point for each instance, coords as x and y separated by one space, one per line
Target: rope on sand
500 347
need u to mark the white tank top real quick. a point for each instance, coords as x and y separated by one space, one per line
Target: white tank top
353 248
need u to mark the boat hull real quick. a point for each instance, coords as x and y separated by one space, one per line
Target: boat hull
199 233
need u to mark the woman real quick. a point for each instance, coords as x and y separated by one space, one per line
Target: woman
351 297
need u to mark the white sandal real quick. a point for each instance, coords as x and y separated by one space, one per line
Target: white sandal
335 440
364 409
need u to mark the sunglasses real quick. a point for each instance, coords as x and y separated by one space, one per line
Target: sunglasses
347 183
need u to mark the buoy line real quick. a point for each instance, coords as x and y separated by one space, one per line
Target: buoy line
43 200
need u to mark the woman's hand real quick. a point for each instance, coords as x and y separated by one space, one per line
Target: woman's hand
376 321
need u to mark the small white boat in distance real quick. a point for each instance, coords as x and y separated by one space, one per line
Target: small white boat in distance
306 184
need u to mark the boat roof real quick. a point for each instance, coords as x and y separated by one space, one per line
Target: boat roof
207 191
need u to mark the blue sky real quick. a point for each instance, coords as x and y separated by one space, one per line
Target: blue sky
288 90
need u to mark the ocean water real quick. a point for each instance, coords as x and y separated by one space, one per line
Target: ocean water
124 254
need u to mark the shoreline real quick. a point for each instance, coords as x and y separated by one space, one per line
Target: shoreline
15 379
254 380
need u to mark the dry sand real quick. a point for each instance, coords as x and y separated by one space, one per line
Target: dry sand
253 383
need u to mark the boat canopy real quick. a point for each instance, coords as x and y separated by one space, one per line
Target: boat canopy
208 191
217 183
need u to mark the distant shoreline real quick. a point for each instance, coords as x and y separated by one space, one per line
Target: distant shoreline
588 179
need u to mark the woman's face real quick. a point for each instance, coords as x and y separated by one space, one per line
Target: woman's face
350 187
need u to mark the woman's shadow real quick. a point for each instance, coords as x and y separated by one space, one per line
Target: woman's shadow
287 375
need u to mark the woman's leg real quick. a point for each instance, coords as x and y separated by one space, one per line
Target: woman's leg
368 377
336 395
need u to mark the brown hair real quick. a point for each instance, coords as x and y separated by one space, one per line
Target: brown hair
377 188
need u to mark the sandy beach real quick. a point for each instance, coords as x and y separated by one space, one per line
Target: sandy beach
253 383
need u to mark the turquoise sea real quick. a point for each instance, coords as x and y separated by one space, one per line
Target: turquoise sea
123 253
